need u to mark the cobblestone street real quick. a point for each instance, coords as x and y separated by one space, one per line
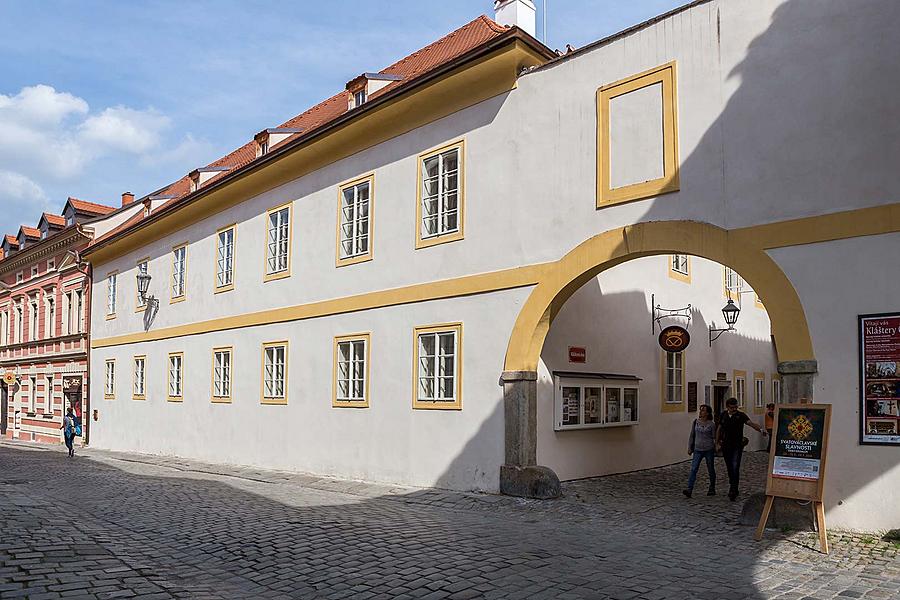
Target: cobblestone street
109 525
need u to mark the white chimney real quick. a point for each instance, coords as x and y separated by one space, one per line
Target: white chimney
520 13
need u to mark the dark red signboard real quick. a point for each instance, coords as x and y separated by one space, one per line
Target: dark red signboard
577 354
674 338
879 389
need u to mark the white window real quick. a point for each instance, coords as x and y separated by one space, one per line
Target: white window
50 317
759 392
141 270
221 374
278 241
264 147
110 391
20 276
359 98
179 265
33 320
51 264
111 294
351 370
34 271
225 258
355 223
440 194
4 326
48 395
176 366
72 312
674 377
593 402
32 395
734 284
740 387
20 324
140 370
437 367
274 372
776 391
680 264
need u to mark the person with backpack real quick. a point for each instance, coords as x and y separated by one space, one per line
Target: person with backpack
702 445
68 428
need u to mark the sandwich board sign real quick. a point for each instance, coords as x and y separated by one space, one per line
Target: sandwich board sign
797 460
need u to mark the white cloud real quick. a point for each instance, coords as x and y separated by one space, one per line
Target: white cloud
51 135
190 153
125 129
16 187
21 201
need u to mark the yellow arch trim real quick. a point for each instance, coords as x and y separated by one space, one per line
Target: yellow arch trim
617 246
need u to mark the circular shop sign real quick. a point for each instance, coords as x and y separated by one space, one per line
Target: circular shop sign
674 338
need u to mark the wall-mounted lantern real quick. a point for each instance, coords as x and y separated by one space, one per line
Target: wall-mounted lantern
143 284
730 312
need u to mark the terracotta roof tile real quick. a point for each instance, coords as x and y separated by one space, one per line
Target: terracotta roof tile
11 240
90 207
30 231
57 220
447 48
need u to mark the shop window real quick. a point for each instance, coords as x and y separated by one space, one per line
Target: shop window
140 368
437 367
355 221
440 210
278 243
176 377
351 371
593 400
222 375
274 376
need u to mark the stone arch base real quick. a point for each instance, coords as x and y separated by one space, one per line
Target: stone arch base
520 475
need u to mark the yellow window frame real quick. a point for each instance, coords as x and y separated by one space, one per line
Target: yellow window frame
354 337
212 380
183 296
134 360
369 255
459 234
169 396
290 247
664 75
274 400
672 407
218 289
457 392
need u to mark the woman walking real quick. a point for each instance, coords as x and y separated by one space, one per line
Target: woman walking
702 445
68 428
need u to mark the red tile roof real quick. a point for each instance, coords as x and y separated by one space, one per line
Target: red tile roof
30 232
55 219
432 56
11 240
90 207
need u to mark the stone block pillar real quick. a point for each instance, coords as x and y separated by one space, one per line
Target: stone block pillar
797 380
520 475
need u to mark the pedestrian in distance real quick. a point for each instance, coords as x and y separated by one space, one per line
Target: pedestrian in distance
730 438
770 422
68 428
702 445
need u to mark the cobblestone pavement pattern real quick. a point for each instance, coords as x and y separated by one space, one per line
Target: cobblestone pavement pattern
111 525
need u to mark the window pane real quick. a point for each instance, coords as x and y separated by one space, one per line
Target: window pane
591 405
571 406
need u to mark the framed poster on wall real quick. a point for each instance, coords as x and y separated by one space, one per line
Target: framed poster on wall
879 379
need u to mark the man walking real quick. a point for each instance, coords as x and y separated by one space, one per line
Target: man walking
730 437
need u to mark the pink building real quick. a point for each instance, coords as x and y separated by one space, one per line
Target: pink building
45 297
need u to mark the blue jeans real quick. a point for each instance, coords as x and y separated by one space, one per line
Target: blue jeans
733 464
699 455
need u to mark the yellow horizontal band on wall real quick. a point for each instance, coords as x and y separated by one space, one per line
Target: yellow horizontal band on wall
435 290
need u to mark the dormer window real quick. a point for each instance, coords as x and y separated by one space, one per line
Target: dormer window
269 138
363 86
201 176
70 220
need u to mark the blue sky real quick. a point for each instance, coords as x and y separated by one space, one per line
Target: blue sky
101 97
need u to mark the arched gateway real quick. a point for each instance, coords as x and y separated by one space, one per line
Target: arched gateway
520 475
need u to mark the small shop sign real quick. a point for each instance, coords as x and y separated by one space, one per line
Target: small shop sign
577 354
71 384
674 338
879 374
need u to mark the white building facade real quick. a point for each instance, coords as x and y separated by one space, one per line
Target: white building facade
346 302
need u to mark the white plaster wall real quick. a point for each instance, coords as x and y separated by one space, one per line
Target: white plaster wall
610 316
836 282
388 442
